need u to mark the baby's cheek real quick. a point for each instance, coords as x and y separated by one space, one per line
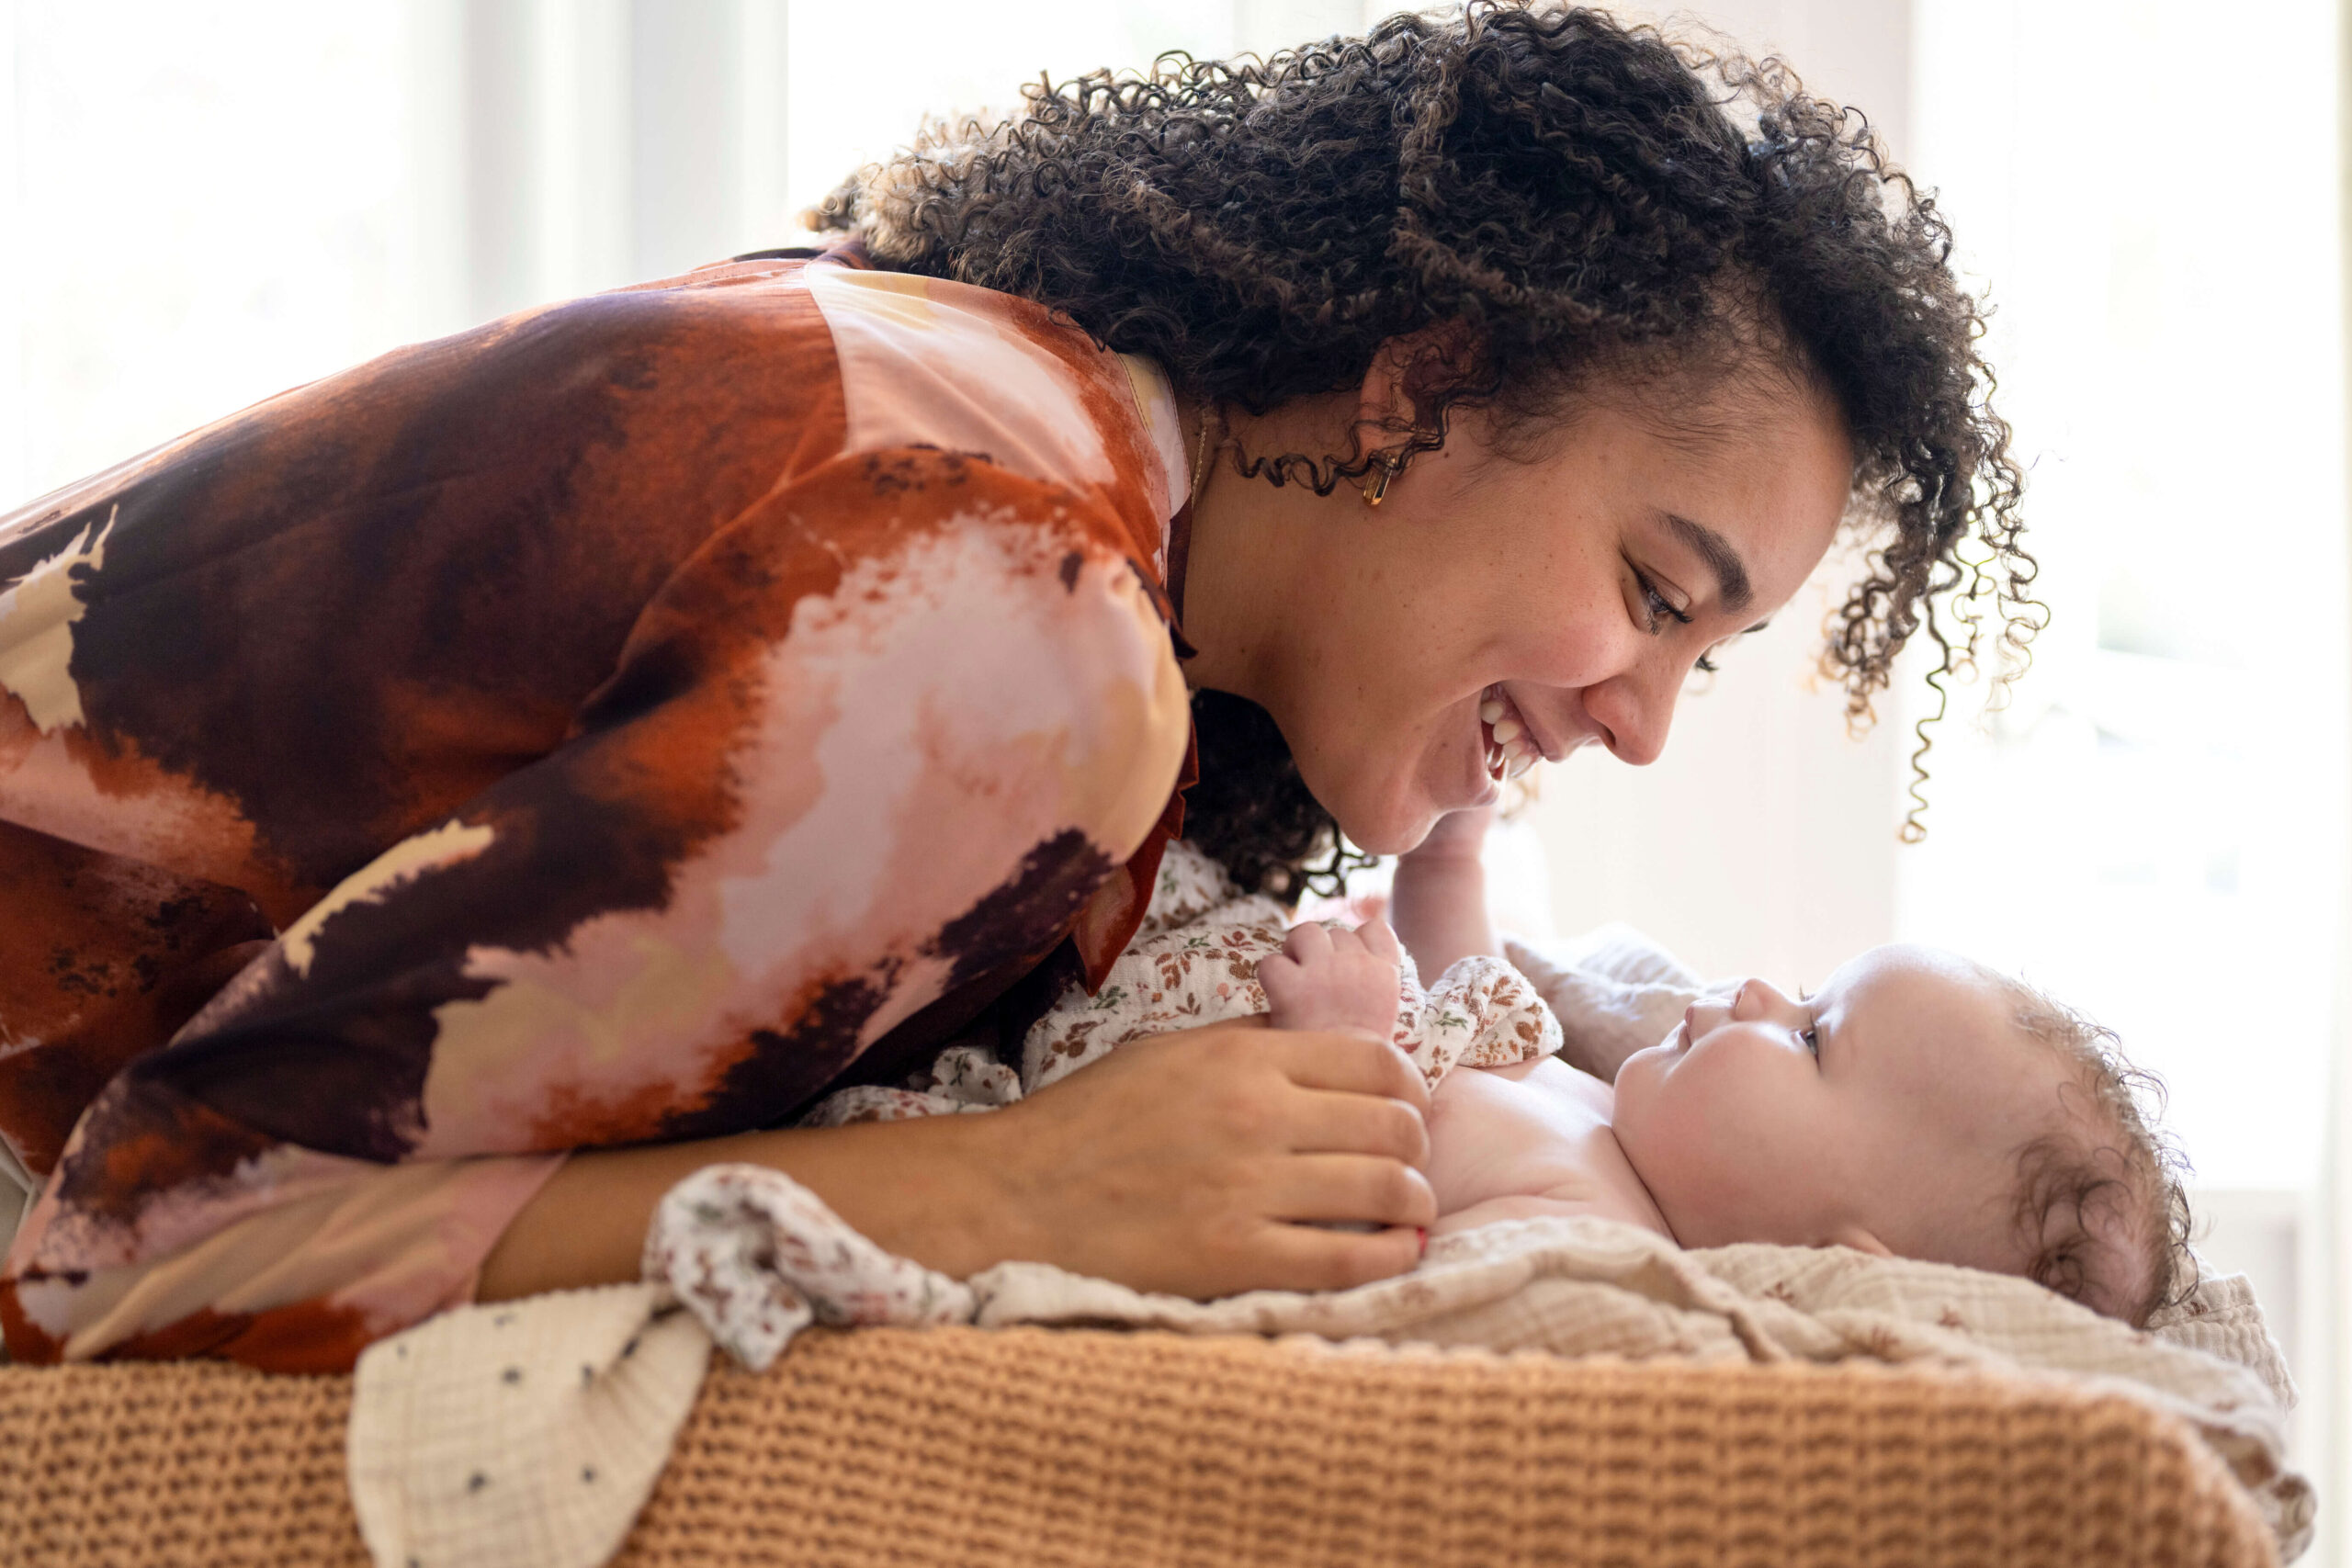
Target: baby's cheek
1664 1134
1637 1093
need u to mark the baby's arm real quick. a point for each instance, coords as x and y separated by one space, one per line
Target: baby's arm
1440 900
1334 979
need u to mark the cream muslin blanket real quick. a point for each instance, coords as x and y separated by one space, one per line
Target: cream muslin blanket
528 1435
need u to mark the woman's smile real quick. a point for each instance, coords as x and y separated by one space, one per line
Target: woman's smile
1509 743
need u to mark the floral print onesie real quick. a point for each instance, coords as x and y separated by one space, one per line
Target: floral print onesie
623 722
1195 962
757 1257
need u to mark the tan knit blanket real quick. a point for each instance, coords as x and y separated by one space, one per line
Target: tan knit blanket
1071 1448
530 1434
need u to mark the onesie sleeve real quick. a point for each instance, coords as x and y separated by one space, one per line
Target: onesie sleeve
867 754
1480 1013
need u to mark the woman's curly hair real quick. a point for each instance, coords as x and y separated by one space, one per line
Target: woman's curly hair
1555 193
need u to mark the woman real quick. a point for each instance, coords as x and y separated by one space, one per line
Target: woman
588 740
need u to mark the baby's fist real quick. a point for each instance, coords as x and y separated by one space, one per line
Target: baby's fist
1334 979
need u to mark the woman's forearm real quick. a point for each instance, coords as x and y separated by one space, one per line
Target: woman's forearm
1181 1163
921 1188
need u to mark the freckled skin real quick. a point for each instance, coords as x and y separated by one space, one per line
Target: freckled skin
1369 632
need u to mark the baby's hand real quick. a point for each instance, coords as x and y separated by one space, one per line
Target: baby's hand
1334 979
1457 835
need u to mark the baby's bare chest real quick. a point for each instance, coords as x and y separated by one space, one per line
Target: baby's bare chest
1541 1129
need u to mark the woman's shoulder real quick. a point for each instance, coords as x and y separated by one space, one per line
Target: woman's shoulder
929 362
908 362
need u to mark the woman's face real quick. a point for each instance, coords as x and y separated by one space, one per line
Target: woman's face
1580 587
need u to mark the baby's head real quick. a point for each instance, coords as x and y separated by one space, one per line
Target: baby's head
1917 1105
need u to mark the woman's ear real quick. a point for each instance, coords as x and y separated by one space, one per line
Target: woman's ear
1405 376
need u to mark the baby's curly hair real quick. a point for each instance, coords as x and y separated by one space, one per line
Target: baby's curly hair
2102 1202
1581 197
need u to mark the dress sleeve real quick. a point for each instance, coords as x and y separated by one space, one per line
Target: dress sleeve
103 957
874 747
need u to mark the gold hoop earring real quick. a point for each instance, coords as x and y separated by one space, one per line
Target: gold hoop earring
1376 487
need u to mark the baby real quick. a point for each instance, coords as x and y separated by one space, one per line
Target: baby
1917 1105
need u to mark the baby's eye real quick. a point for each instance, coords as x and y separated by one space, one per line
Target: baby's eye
1812 1038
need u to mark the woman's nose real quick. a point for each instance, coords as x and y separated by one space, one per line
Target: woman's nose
1634 710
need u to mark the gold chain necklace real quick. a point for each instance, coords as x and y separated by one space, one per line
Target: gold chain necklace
1201 456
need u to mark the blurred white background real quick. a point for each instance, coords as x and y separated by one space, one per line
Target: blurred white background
207 202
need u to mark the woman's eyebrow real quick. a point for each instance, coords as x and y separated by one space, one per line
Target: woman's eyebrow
1731 572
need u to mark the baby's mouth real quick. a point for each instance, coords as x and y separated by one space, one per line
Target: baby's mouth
1510 749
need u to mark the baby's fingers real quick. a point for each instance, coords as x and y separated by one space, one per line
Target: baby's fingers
1380 941
1308 942
1278 971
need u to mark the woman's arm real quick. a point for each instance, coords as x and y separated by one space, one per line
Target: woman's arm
1439 903
1176 1165
840 774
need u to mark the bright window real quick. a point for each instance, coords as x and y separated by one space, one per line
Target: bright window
204 206
2155 828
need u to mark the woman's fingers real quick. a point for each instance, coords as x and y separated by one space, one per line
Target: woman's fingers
1324 1123
1348 1064
1300 1258
1350 1189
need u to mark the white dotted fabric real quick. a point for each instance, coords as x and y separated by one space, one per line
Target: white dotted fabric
521 1436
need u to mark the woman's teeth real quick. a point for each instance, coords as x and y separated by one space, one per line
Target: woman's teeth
1511 750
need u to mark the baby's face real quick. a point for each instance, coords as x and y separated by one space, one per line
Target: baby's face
1883 1112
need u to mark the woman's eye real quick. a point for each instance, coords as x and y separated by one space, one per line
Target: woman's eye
1812 1038
1659 607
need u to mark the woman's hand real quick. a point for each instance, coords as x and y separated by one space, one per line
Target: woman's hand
1188 1164
1192 1164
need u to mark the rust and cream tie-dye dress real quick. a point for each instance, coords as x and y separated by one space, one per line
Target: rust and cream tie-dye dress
606 726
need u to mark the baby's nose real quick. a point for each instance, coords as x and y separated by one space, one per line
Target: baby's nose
1759 999
1702 1016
